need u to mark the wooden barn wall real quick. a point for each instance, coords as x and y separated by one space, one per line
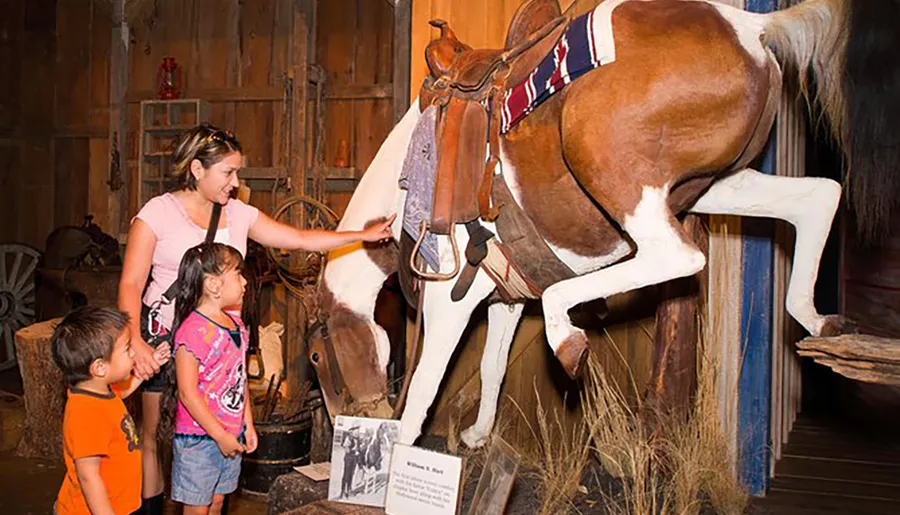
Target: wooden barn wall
233 55
355 48
532 370
54 110
39 154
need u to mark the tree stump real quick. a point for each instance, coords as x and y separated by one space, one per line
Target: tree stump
45 392
292 491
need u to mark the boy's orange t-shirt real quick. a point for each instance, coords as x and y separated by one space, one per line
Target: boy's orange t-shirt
99 425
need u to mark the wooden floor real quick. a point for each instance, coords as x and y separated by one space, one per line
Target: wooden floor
837 465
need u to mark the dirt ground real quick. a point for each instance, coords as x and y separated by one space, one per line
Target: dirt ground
30 487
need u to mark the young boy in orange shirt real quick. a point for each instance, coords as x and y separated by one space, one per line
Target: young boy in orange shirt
101 447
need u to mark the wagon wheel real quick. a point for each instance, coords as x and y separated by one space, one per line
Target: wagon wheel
17 265
298 268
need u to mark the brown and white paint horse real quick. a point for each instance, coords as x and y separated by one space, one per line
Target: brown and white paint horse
670 127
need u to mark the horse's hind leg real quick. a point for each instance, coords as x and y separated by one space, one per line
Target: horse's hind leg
502 322
809 204
664 252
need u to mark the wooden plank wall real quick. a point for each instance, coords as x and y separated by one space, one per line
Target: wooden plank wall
29 172
532 369
786 383
355 47
54 111
234 55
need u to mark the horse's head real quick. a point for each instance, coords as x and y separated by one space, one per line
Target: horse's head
348 350
343 347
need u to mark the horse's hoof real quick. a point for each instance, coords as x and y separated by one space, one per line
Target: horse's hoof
473 438
836 325
573 353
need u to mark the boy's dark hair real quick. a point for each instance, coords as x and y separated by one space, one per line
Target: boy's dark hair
84 335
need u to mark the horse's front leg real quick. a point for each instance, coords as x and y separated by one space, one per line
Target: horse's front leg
809 204
502 322
664 252
444 322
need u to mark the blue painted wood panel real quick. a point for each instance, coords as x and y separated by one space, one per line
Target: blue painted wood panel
755 385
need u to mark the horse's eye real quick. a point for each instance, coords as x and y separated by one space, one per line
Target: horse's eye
314 357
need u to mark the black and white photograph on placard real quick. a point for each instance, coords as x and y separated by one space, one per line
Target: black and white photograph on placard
360 459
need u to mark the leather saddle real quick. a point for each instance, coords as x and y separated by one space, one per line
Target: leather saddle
465 83
462 81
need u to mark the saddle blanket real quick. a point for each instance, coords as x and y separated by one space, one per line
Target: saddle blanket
417 178
586 44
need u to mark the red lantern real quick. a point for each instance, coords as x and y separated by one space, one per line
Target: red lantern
169 79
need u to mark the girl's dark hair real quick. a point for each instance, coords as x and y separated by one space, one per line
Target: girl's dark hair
205 143
198 262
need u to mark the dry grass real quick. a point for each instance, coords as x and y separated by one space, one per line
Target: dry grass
624 445
668 473
561 457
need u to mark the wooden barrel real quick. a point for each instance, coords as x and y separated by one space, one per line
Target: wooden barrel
281 448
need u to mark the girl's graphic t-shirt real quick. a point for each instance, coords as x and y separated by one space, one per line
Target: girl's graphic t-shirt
220 354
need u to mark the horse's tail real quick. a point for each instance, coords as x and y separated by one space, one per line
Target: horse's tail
850 47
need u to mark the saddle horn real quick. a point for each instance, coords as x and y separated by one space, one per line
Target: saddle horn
441 53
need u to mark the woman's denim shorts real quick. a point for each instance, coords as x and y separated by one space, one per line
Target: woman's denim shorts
199 470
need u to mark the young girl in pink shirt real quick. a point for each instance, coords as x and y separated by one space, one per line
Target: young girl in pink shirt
208 412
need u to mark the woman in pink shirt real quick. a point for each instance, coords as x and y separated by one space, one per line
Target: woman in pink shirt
207 161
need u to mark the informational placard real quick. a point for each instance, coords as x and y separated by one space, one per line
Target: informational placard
423 482
360 454
315 471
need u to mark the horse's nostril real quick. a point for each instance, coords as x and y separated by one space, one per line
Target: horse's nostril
314 357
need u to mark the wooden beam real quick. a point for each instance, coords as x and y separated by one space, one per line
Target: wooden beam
235 94
263 173
360 92
296 364
135 8
118 84
854 347
402 57
674 378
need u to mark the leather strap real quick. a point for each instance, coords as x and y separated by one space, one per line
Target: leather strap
489 212
476 251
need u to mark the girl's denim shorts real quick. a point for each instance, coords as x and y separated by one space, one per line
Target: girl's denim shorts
199 470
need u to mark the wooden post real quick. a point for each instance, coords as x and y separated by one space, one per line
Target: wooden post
674 378
402 57
118 84
296 365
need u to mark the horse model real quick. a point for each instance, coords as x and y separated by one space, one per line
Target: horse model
602 170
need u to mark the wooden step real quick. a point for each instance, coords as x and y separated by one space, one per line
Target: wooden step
838 488
845 470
